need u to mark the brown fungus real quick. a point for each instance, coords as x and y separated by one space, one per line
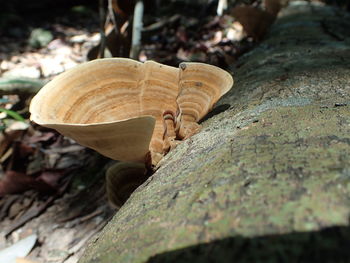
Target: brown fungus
122 179
128 110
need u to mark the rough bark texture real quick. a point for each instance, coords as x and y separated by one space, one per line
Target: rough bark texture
268 178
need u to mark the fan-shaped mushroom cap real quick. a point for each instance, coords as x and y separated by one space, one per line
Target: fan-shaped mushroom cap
121 107
160 87
201 86
111 105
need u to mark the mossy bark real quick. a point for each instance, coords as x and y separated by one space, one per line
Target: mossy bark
268 178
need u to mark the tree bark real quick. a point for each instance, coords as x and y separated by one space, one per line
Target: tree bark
268 178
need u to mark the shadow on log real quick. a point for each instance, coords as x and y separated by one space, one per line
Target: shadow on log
328 245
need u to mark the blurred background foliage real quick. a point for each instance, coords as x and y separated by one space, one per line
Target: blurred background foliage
18 13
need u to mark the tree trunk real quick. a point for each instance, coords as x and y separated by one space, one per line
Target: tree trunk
269 178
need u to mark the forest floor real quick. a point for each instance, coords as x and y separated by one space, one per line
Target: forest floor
49 185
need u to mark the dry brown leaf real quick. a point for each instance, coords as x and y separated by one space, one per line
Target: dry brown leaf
16 182
51 177
40 137
7 138
255 22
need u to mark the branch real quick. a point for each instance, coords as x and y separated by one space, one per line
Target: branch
136 30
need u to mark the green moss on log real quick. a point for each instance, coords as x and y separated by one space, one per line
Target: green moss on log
285 169
267 179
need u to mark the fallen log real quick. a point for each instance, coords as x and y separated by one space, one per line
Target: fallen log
268 178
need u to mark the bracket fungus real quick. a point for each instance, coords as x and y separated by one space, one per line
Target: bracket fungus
122 179
128 110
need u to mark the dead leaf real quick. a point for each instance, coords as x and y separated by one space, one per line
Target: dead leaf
6 155
235 32
7 138
14 182
33 211
19 249
40 137
217 38
17 182
19 157
51 177
67 149
6 204
255 22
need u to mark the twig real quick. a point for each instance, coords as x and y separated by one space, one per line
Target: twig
111 15
36 209
222 5
24 87
32 212
102 29
160 24
136 30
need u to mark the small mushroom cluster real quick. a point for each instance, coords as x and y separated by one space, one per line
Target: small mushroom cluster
128 110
